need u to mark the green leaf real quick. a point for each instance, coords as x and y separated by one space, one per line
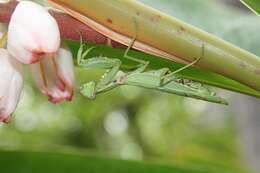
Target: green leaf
253 5
199 75
43 162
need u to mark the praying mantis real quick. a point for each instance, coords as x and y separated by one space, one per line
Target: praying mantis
161 80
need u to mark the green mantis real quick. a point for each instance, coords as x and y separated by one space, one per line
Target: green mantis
161 80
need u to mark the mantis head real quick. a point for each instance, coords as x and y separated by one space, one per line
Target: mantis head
88 90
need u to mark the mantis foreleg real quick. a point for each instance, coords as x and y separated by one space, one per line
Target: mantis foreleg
90 89
112 65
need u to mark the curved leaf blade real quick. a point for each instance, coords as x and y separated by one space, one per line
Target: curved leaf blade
253 5
42 162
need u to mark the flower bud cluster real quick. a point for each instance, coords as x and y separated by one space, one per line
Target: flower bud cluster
33 39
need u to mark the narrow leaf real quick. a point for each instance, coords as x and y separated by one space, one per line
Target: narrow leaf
42 162
253 5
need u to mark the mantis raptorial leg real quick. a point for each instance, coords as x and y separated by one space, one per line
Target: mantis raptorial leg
113 66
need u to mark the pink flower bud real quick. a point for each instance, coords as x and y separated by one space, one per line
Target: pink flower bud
33 33
55 76
11 84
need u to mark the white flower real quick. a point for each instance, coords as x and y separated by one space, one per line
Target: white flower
33 33
11 84
33 38
55 76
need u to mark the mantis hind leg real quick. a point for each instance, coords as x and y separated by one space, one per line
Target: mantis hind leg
142 63
171 76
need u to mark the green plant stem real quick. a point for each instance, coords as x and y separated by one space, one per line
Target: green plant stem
165 36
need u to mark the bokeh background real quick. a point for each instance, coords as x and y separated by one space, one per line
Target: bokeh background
138 124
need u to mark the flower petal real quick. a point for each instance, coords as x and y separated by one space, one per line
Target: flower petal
33 33
11 84
65 67
55 76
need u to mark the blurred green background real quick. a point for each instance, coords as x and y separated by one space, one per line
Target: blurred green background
138 124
